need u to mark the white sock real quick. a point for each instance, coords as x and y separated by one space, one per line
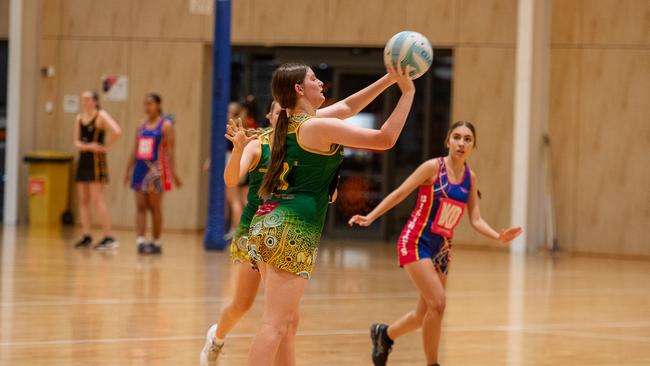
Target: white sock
218 341
140 240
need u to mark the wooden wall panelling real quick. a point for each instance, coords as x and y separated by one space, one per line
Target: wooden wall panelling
82 63
206 132
173 69
614 139
51 18
484 93
241 23
4 19
48 91
87 19
289 21
169 19
364 22
616 22
29 40
563 131
487 21
566 21
436 19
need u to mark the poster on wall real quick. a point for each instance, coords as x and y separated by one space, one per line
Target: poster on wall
115 87
201 7
71 103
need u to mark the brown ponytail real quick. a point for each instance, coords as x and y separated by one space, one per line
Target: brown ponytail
95 97
284 79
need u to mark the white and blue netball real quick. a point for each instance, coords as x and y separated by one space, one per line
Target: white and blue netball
409 48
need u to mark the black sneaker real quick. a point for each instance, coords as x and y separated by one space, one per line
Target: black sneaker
151 248
107 243
142 247
85 242
381 344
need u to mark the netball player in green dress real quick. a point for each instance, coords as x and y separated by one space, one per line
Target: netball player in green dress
250 157
307 150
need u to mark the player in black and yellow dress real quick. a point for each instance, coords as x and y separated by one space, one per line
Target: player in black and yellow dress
305 157
92 170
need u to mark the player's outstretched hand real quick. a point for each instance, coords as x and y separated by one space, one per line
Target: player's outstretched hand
360 220
510 234
236 133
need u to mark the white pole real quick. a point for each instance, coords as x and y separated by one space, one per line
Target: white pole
522 114
12 158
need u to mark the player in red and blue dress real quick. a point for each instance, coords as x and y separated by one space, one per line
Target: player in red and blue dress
150 171
446 187
438 204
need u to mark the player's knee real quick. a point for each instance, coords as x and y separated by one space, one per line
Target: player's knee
242 307
97 201
437 304
84 201
278 329
141 206
293 324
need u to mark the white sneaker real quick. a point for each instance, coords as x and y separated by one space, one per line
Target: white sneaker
228 236
210 353
107 243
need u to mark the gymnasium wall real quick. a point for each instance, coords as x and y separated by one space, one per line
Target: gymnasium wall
600 124
599 80
482 32
160 47
4 19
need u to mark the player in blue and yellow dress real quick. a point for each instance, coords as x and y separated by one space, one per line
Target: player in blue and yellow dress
445 186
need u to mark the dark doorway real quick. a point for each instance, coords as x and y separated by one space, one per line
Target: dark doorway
366 176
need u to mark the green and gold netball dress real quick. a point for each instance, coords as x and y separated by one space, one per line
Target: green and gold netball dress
286 229
238 251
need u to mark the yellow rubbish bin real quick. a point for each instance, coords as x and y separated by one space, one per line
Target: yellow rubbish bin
48 186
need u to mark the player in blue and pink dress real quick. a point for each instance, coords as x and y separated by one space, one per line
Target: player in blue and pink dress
446 187
150 171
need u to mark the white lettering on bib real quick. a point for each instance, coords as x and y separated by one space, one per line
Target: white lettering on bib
145 148
448 217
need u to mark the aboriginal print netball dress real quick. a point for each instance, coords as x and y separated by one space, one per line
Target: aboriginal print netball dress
238 249
286 230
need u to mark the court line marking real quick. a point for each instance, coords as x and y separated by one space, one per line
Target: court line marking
568 333
320 297
544 329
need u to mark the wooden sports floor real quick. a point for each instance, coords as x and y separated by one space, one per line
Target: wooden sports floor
61 306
